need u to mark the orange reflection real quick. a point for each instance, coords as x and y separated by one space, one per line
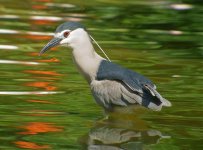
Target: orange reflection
42 22
47 78
45 85
30 145
39 7
52 73
40 101
49 60
39 127
33 53
43 60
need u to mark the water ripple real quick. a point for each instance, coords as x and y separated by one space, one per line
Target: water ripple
39 33
60 5
181 6
19 62
50 18
7 31
9 17
30 92
10 47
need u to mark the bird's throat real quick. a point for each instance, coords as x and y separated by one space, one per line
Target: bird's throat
87 62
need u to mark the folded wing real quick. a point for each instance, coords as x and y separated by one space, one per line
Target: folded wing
134 86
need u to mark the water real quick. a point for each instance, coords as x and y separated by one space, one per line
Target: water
46 104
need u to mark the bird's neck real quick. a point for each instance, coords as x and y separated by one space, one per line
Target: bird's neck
85 58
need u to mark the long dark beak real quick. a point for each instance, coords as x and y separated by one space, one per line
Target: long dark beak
54 42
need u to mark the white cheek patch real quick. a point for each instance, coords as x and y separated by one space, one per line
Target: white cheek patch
72 39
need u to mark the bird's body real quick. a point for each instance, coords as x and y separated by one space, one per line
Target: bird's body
111 84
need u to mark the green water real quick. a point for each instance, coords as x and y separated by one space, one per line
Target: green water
46 104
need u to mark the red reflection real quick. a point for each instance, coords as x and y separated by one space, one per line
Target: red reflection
39 127
49 60
43 60
33 53
30 145
42 22
47 78
52 73
39 7
45 85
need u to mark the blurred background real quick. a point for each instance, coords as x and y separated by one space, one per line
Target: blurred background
46 104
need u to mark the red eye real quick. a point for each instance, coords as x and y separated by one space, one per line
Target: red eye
65 34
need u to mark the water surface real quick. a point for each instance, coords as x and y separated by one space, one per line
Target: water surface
46 104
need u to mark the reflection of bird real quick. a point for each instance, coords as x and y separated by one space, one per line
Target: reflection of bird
106 136
122 132
111 84
111 135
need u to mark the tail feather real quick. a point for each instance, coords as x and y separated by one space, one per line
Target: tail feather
166 103
157 100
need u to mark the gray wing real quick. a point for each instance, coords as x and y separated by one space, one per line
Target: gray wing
133 85
135 81
108 93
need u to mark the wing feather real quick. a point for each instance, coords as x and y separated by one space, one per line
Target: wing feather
131 79
120 86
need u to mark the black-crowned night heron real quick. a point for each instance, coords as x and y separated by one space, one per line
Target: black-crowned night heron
111 84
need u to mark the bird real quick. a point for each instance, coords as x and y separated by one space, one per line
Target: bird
111 84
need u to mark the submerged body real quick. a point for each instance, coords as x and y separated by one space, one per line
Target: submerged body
111 84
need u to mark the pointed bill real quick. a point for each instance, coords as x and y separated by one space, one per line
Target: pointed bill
54 42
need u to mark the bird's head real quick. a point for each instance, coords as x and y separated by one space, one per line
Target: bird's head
66 34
